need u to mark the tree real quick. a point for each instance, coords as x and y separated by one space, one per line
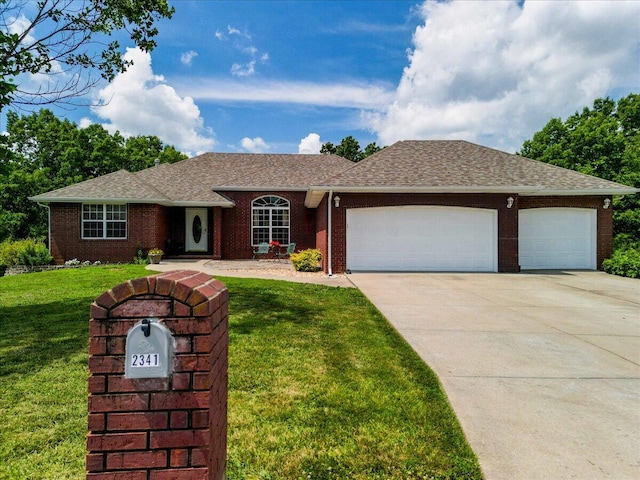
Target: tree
349 148
603 141
43 152
66 41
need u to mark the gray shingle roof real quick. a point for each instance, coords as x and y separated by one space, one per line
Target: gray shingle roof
116 186
194 181
458 164
407 166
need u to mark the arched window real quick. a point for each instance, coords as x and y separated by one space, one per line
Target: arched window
270 220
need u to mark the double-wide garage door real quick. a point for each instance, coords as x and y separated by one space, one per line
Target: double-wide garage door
557 238
422 238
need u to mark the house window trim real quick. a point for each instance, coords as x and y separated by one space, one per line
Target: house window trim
270 208
104 221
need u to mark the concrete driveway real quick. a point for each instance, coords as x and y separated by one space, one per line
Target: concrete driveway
542 369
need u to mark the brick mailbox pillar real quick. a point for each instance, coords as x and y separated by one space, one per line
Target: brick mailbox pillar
163 428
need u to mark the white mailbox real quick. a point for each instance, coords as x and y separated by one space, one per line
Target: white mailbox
149 350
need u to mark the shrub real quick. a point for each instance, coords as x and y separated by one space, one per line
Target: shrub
141 256
9 253
624 262
306 260
24 252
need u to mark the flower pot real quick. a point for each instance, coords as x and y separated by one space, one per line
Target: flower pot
155 257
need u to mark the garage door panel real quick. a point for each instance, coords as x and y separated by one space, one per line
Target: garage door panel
557 238
422 238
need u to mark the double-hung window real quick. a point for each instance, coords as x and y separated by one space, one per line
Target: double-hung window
270 220
104 220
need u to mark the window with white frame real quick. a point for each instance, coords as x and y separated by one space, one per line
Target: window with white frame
270 220
104 220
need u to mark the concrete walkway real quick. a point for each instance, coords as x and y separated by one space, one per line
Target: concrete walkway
266 269
542 370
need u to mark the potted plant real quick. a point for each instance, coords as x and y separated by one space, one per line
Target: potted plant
274 247
154 255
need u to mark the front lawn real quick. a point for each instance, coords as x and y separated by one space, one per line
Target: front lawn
320 386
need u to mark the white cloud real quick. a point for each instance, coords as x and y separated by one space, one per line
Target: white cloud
245 70
233 31
187 57
138 102
310 144
85 122
495 72
219 35
19 25
254 145
353 95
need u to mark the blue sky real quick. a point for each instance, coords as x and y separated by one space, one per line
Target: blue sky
274 76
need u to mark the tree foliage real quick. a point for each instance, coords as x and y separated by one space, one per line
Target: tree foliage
66 44
603 141
42 152
349 148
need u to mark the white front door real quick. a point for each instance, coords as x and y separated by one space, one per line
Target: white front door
196 230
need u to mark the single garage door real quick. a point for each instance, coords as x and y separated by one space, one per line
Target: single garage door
557 238
422 238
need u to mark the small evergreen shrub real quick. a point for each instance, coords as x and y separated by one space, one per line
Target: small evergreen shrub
141 256
307 260
24 252
624 262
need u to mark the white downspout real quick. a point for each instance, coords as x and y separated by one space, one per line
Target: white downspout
329 199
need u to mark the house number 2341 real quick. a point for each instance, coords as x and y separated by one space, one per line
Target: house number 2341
145 360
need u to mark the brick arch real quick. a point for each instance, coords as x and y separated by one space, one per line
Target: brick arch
189 290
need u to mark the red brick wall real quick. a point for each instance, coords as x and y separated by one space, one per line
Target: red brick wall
236 223
507 219
147 225
160 428
604 218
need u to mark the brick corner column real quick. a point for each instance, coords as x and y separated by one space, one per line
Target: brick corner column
160 428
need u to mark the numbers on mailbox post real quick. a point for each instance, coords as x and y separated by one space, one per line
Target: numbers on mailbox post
145 360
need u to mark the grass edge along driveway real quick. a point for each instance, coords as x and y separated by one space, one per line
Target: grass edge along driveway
320 385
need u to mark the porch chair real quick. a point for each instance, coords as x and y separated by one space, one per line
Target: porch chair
290 249
263 249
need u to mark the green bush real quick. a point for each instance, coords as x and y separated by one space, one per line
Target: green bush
24 252
9 253
307 260
624 262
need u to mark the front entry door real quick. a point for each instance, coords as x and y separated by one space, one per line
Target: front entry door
196 230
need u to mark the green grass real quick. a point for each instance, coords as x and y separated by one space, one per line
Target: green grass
320 386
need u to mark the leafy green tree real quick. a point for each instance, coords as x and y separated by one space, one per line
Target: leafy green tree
603 141
43 152
349 148
68 42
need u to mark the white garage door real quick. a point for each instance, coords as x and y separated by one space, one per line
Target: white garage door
557 238
422 238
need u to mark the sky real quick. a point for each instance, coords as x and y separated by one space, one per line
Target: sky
287 76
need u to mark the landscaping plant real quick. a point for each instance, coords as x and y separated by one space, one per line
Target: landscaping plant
307 260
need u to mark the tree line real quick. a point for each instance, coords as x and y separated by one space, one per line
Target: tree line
41 152
603 141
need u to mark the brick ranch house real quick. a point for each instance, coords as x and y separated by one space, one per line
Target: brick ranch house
413 206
